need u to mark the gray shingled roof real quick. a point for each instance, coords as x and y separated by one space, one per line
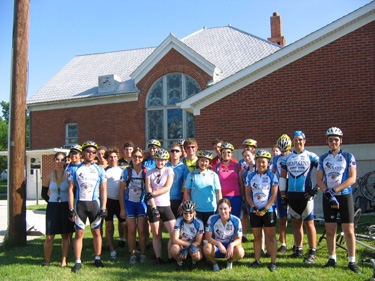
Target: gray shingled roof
226 47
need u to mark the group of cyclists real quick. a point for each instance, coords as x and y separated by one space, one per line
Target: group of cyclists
206 203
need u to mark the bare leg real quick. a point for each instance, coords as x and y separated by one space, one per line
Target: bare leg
48 246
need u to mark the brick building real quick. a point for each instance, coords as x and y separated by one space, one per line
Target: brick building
219 82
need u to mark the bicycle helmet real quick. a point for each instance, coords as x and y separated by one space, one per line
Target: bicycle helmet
89 144
76 148
334 131
263 154
284 142
250 142
181 141
226 145
154 142
162 154
205 154
188 207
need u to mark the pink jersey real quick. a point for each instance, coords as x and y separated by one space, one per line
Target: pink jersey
228 177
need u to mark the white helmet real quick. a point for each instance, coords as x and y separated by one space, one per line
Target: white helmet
334 131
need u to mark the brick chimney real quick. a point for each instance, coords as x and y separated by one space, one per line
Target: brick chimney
276 34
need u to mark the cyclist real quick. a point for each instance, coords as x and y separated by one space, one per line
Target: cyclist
284 143
202 186
216 144
261 192
133 205
337 172
90 181
180 172
187 236
296 169
158 184
113 173
223 235
191 147
153 146
228 172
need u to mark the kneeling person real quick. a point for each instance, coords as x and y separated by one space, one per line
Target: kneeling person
224 236
187 236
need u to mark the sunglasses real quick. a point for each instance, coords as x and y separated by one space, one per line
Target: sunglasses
137 156
185 213
175 151
298 140
90 151
333 140
59 159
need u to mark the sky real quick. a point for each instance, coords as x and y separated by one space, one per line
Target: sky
63 29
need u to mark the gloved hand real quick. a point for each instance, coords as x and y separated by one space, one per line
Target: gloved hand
193 248
284 202
155 212
255 209
261 212
184 253
102 214
71 214
330 195
149 195
312 192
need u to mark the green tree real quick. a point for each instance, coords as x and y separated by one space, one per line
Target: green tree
4 133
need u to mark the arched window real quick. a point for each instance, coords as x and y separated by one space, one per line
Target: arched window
164 120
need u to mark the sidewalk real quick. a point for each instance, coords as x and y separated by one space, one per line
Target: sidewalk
34 220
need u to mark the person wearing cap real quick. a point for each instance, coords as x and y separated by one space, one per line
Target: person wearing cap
153 146
250 145
284 143
191 147
187 236
90 181
247 166
158 184
75 154
228 172
337 172
261 192
296 170
202 186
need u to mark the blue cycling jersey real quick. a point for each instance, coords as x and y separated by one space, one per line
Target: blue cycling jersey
261 187
180 173
87 179
299 166
336 169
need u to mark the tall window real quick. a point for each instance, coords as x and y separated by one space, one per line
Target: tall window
165 121
71 134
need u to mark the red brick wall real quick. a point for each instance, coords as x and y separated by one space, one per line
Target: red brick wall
111 124
333 86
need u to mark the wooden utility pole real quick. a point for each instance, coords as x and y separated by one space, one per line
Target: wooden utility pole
17 126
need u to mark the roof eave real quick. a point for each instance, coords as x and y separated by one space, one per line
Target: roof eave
280 58
83 102
171 42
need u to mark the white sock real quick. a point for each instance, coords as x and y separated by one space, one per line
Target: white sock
351 259
333 257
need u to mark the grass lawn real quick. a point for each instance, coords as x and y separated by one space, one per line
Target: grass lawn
25 263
